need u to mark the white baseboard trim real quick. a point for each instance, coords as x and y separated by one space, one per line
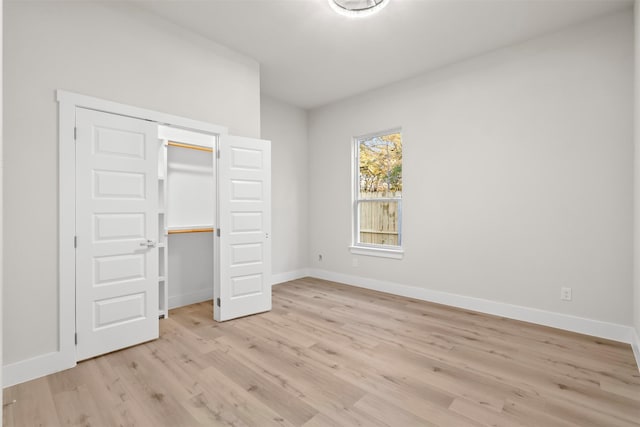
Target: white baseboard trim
36 367
190 298
597 328
207 294
289 276
635 345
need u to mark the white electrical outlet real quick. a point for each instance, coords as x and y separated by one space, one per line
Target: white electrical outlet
565 294
354 262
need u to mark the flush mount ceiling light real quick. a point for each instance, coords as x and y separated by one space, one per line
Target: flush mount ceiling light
357 8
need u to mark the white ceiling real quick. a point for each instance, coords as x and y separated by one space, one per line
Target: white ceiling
310 56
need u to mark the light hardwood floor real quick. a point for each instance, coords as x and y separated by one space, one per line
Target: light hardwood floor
330 354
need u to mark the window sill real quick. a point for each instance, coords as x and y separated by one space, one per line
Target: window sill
378 252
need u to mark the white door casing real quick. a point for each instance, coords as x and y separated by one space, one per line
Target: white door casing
116 229
242 274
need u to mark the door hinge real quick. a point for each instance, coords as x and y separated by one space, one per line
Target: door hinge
218 302
76 338
218 232
75 241
75 133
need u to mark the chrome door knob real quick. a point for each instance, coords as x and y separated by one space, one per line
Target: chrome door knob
148 244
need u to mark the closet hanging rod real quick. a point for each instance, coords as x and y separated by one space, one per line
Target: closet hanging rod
191 230
190 146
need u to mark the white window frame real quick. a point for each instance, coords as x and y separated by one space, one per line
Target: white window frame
369 249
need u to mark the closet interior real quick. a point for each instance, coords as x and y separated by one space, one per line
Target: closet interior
186 217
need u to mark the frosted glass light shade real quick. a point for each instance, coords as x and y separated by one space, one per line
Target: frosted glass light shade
357 8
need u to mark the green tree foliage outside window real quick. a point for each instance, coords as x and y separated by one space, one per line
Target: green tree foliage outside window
381 163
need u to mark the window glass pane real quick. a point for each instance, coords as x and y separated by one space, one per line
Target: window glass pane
379 222
380 166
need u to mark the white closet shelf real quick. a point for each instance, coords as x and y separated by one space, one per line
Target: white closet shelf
189 146
201 228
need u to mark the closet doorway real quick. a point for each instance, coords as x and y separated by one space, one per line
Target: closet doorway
143 185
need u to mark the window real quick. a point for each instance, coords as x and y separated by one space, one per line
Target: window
377 194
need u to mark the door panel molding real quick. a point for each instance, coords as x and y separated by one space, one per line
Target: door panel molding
116 279
243 275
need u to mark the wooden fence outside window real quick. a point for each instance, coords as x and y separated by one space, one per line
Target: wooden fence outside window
379 220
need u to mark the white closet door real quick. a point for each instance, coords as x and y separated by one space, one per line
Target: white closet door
243 283
117 228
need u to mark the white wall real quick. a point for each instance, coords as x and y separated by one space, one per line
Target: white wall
107 51
1 205
636 254
286 127
190 268
518 174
